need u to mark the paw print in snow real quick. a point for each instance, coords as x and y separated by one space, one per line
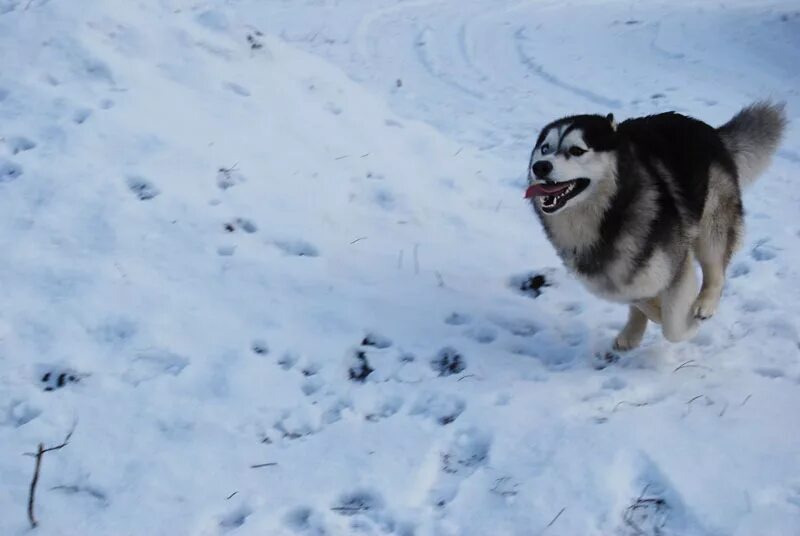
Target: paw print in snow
143 188
228 177
448 361
9 171
359 369
56 379
376 340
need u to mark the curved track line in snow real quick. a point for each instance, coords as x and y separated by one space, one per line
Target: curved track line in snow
536 68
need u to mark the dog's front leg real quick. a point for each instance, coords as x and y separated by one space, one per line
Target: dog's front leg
631 335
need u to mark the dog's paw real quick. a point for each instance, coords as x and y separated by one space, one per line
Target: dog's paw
627 341
705 306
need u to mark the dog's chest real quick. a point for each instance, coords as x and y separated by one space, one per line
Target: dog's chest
622 280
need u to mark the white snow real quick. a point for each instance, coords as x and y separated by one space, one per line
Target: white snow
205 208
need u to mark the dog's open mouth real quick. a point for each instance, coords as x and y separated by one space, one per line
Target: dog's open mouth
556 194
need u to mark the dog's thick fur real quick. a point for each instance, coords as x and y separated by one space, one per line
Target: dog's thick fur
637 204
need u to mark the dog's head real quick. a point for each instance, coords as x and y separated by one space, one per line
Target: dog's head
571 159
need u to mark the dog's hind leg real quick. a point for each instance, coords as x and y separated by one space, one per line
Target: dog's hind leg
677 317
631 335
718 238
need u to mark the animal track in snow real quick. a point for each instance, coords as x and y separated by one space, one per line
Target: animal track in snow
386 408
241 223
152 364
481 334
442 408
376 340
532 284
764 251
19 413
306 521
448 361
297 248
57 378
517 327
359 369
739 269
237 89
457 319
143 188
467 452
288 360
19 144
259 347
235 519
80 115
228 177
9 171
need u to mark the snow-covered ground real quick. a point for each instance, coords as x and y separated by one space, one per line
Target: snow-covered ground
264 258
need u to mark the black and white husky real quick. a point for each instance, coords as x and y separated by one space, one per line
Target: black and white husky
630 207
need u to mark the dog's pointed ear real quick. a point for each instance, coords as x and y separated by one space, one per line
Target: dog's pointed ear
611 120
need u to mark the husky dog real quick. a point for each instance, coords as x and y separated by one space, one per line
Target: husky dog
630 207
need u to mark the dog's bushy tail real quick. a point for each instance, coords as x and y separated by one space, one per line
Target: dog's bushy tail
752 136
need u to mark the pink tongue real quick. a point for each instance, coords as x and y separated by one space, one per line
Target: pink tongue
537 190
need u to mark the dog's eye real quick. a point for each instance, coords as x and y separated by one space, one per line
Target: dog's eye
545 148
576 151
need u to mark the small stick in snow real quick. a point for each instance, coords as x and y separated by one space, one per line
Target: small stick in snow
364 155
556 518
745 400
37 469
260 465
229 497
690 364
357 240
400 260
342 157
625 402
459 151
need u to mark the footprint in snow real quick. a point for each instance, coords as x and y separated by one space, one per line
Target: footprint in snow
532 284
467 452
80 115
228 177
304 520
259 347
739 269
441 408
448 361
764 251
56 378
142 188
457 319
297 248
9 171
152 364
368 513
20 144
236 89
376 340
385 409
481 334
235 519
244 224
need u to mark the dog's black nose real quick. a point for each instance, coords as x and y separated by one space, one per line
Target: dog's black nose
542 168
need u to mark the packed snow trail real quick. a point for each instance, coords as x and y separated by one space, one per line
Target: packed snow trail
277 291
